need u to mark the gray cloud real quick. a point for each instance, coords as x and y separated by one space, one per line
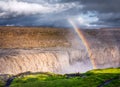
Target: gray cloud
38 12
102 5
107 11
15 8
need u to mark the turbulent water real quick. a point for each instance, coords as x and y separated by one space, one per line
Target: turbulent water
104 47
16 61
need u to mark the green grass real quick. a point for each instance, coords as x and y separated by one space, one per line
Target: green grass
2 84
115 83
91 78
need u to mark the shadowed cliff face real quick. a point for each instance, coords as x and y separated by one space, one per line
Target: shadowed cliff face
104 46
64 58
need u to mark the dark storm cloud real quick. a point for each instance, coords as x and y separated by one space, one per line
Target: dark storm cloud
35 13
102 5
16 8
89 13
108 11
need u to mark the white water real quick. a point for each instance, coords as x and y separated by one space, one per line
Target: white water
105 52
17 61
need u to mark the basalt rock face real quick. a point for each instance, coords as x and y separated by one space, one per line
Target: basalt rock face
46 53
70 56
104 46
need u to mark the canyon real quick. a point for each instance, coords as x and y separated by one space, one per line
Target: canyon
55 50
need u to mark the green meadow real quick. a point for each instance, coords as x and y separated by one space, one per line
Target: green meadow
91 78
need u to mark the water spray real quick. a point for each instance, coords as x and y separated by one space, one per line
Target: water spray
82 37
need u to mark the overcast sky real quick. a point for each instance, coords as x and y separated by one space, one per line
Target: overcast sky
55 13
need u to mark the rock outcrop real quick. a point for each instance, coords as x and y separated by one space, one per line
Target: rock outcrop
68 57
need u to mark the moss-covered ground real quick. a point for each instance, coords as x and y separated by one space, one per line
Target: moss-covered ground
91 78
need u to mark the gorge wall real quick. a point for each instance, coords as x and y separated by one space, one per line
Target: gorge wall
104 45
69 56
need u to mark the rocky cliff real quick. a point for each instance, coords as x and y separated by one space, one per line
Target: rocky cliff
104 46
67 56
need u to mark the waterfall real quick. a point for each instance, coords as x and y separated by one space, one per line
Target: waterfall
103 43
65 61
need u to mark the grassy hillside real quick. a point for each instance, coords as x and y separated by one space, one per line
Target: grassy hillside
90 79
32 37
1 84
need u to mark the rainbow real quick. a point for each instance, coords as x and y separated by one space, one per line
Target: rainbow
82 37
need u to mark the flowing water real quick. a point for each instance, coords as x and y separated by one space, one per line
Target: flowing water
104 46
